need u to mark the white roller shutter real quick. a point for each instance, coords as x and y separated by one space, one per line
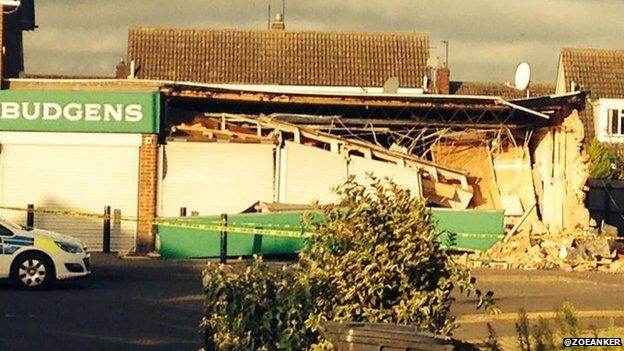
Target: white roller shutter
213 178
76 172
404 176
308 173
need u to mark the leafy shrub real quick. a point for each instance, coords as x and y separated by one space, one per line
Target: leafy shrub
548 335
375 258
257 309
492 343
523 328
606 161
379 261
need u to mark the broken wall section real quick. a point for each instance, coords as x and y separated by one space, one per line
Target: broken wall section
534 175
560 172
499 171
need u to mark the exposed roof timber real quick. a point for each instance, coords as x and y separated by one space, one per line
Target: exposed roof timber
225 92
337 121
379 151
574 99
313 90
317 91
524 109
275 94
389 101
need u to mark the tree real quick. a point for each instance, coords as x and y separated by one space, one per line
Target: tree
379 260
374 257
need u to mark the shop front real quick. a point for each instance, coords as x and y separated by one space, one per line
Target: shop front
79 152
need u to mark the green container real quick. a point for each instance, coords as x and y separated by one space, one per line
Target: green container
176 242
282 233
472 230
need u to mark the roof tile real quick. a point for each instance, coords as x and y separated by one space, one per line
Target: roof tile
598 71
601 72
278 56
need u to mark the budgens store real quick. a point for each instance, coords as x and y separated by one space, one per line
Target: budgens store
79 151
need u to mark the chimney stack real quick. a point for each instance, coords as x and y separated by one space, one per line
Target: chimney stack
278 23
443 80
122 71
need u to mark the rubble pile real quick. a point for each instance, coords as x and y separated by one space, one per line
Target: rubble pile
535 248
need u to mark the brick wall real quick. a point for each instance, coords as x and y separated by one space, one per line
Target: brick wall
148 181
443 80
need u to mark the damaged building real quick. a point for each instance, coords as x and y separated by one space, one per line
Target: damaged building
522 155
599 72
233 118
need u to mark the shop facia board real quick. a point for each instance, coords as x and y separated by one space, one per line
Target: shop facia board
79 111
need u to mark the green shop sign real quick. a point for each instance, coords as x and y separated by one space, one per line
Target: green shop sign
79 111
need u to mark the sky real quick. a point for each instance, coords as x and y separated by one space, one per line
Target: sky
487 38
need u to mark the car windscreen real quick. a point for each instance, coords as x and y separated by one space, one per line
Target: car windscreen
11 225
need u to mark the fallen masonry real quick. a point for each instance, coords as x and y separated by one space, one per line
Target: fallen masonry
587 250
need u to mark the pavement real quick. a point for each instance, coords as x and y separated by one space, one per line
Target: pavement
598 297
157 305
125 305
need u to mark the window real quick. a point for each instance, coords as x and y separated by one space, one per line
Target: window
4 231
616 122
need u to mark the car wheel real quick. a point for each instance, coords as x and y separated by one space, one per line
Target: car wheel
32 271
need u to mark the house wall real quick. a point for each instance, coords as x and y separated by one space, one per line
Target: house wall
601 120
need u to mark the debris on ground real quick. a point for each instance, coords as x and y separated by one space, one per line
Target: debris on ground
535 248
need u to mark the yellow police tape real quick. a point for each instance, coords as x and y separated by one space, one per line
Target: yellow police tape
67 213
197 226
169 223
234 230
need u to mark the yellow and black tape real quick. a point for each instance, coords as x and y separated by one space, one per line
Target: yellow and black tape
69 213
234 229
169 223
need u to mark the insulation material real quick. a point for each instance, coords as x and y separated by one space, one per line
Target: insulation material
513 175
446 195
473 158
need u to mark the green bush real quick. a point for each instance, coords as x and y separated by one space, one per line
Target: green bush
374 258
257 309
606 161
548 335
379 260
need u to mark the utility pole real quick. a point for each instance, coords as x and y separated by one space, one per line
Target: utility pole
269 16
446 57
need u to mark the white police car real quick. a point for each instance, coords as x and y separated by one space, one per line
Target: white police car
33 258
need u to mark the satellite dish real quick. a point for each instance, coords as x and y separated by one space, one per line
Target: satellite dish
523 76
11 3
